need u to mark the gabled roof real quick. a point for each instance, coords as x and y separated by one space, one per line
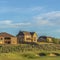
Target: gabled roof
20 33
4 34
23 33
45 37
32 33
26 33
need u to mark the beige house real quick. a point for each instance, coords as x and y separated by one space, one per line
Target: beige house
6 38
45 39
24 36
49 39
34 36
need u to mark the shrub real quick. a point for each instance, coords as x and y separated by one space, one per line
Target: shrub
57 54
29 55
42 54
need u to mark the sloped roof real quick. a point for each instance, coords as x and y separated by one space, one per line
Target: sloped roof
47 36
4 34
26 33
32 33
43 37
20 33
23 33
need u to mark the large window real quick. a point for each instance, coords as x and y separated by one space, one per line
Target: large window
7 42
7 38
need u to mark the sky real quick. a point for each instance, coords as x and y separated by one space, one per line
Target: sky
40 16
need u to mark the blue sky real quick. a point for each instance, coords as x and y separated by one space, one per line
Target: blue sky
41 16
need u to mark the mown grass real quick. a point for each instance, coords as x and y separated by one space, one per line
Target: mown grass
18 56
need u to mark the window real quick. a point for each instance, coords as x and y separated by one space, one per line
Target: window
1 39
28 38
7 38
7 42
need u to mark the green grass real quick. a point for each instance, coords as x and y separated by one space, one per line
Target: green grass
18 56
29 52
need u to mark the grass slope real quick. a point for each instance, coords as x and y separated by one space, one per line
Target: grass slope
29 52
14 56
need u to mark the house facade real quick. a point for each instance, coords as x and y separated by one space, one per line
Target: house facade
24 36
49 39
34 36
6 38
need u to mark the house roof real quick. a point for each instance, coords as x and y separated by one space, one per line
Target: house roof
45 37
26 33
32 33
4 34
20 33
23 33
42 38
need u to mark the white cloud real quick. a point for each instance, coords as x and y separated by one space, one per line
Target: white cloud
6 22
50 18
11 24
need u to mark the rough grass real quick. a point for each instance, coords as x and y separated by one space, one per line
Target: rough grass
29 47
30 52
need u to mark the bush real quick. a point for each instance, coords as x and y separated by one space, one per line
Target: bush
28 47
29 55
42 54
57 54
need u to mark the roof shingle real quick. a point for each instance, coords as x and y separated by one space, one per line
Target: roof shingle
4 34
